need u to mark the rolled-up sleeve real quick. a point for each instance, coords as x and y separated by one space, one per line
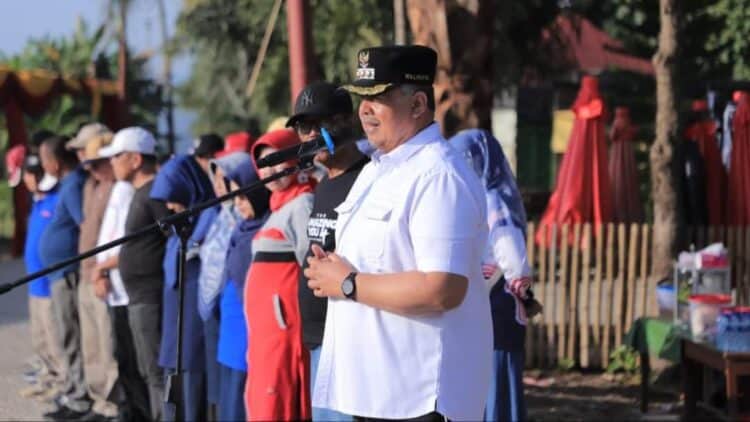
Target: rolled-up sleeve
444 224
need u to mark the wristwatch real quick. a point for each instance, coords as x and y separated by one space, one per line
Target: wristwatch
349 286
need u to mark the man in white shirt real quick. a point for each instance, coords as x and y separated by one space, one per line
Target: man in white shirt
408 333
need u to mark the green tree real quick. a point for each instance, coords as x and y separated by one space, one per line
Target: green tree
732 41
225 36
85 53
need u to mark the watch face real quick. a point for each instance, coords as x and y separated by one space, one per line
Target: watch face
347 287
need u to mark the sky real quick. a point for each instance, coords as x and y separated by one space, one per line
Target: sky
26 19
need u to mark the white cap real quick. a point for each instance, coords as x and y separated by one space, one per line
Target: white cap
47 183
130 139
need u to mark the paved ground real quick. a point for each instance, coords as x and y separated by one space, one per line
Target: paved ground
15 349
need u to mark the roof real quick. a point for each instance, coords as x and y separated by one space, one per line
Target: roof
575 40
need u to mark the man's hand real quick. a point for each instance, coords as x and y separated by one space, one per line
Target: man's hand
101 287
325 273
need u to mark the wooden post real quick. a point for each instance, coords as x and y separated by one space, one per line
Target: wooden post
562 292
531 326
619 291
597 295
550 310
573 320
608 294
631 276
541 344
645 291
584 304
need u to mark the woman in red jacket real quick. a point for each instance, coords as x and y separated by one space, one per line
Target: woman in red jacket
277 385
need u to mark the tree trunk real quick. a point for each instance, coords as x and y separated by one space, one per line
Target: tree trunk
461 33
663 188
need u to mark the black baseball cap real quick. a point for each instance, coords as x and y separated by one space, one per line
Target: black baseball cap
320 99
208 145
379 68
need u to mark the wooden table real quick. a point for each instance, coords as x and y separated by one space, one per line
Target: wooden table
696 356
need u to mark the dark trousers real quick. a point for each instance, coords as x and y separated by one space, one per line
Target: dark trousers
65 311
430 417
137 403
211 336
144 320
232 395
193 398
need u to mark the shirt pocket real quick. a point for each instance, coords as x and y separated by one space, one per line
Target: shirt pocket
377 216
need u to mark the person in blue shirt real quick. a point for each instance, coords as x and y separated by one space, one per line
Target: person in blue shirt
44 338
252 210
506 270
181 183
59 241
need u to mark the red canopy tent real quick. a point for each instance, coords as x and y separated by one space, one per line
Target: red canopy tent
703 131
582 193
31 92
739 168
623 172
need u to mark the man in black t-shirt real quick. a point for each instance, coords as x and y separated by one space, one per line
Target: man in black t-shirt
322 104
138 325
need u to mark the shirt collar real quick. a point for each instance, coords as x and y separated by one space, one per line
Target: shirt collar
404 151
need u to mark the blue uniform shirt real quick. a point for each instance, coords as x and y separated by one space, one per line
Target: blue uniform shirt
59 240
41 215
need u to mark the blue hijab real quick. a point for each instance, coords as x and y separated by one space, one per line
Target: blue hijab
182 180
240 252
485 156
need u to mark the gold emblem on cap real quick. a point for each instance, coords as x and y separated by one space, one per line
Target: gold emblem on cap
363 58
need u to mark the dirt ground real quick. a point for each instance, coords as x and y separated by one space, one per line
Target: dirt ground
577 396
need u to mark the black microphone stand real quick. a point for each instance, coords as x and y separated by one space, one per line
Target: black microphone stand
181 225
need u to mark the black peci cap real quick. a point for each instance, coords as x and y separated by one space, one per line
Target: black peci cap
378 68
320 99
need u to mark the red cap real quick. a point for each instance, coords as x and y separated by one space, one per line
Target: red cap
279 139
710 299
14 162
236 142
736 95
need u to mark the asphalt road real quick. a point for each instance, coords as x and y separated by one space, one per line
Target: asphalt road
15 349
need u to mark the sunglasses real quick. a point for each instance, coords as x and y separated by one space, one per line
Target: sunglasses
304 127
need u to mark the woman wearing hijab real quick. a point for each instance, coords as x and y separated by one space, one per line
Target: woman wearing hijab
252 211
506 265
181 183
278 364
212 256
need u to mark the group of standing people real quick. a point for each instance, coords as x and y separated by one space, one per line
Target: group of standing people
376 288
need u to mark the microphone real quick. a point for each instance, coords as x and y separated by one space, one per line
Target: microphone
305 150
